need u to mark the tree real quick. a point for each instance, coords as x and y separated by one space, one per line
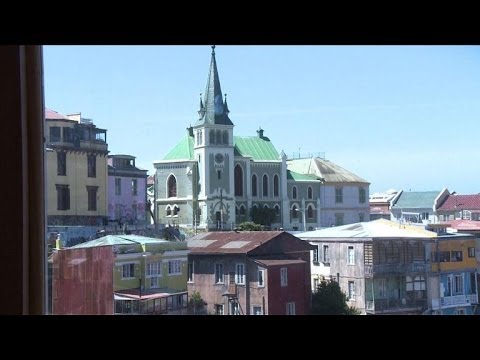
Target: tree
329 299
196 304
262 216
249 226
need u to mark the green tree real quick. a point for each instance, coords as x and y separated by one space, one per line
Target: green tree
196 305
262 216
249 226
329 299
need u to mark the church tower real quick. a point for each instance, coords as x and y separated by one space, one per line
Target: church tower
214 152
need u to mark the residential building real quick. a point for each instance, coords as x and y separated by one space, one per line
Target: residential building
380 204
462 207
251 272
127 190
76 170
213 179
374 263
419 207
121 274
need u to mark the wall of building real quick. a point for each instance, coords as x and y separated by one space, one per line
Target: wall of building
126 200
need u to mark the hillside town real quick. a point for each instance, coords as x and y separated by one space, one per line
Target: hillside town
229 224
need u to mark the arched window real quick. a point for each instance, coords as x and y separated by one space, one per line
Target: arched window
212 136
236 210
176 209
265 185
265 206
169 211
172 186
294 192
310 192
254 185
294 211
238 180
275 185
225 137
310 211
219 137
277 210
242 210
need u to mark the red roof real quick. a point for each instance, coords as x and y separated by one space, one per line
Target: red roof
464 225
461 202
50 114
151 180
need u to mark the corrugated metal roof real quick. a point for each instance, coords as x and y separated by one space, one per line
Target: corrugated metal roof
461 202
292 175
122 240
182 151
416 199
53 115
275 262
380 228
464 225
255 147
325 169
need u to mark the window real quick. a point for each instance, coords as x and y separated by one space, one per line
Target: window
424 215
310 211
275 185
154 281
458 285
351 290
351 255
254 185
134 187
154 269
240 274
212 136
265 186
290 308
68 135
361 217
234 308
382 288
55 134
326 254
92 165
61 163
294 211
190 271
92 198
168 211
118 186
277 211
219 174
339 195
294 192
362 195
338 219
218 309
219 137
416 287
471 252
459 312
225 137
172 186
63 197
134 212
315 255
457 256
238 180
283 277
174 267
316 282
242 210
219 274
261 277
310 192
257 310
128 271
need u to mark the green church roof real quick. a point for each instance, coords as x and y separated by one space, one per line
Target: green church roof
182 151
259 149
292 175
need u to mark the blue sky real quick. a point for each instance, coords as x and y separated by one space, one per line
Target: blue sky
403 117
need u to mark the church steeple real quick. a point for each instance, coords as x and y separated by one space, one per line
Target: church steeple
213 106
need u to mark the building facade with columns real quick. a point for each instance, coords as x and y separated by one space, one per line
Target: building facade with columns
213 179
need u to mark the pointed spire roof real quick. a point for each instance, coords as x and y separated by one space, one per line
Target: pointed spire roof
213 106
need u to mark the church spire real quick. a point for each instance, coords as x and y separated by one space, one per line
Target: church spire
214 108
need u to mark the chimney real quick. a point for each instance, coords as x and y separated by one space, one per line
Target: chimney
190 130
260 132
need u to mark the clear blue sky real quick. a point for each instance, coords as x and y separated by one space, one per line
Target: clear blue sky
403 117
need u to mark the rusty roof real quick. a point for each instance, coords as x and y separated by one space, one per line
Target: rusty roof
231 242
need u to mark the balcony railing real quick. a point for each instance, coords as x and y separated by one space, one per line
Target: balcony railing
394 305
456 300
371 270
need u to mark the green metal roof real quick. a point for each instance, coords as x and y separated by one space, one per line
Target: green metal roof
129 240
416 199
292 175
182 151
255 147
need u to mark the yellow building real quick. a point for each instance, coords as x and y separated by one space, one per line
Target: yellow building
76 170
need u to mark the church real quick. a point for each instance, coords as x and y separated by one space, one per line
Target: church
215 180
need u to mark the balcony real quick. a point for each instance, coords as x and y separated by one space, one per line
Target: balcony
96 145
456 300
394 269
385 306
